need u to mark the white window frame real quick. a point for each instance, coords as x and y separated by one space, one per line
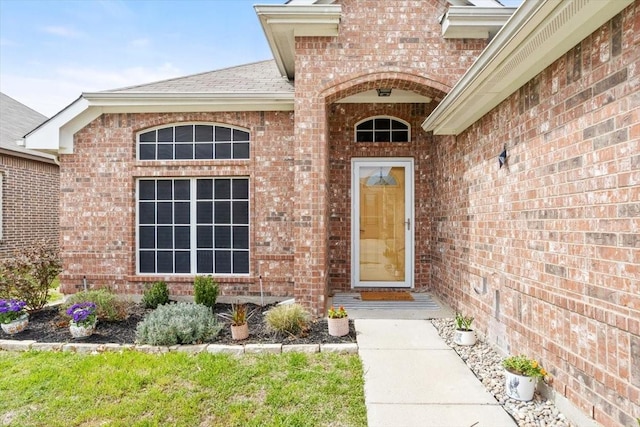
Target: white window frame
192 224
1 204
174 125
373 118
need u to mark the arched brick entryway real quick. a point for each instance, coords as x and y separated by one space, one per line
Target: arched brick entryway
324 149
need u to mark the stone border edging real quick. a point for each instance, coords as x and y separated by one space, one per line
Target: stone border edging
89 348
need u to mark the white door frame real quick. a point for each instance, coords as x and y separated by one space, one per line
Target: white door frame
409 228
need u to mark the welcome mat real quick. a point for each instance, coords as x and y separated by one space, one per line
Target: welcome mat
385 296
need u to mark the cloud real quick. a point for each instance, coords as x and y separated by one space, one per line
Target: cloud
48 95
139 43
8 42
62 31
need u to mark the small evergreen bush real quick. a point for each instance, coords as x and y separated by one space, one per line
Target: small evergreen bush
108 306
155 295
205 291
179 323
292 319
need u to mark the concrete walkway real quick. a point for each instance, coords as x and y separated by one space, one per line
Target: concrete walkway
412 378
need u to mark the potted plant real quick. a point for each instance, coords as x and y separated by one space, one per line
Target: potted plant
13 316
521 376
338 321
239 318
83 319
464 335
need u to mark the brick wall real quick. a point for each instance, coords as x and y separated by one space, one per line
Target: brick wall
30 203
545 252
378 45
98 201
342 149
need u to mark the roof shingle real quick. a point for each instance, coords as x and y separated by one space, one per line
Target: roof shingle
16 120
257 77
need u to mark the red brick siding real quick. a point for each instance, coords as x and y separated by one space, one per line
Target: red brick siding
98 201
342 149
30 203
379 44
555 233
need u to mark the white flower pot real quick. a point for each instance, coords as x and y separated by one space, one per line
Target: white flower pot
338 327
520 387
17 325
461 337
81 331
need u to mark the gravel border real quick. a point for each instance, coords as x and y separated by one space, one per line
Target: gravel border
486 364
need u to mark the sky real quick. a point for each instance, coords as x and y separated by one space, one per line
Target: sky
53 50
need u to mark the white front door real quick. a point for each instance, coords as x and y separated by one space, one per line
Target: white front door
382 223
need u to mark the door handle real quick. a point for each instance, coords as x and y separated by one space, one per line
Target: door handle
408 222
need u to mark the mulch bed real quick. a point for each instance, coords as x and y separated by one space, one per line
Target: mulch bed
47 325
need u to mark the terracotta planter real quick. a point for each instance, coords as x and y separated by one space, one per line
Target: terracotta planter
17 325
240 332
464 337
81 331
338 327
520 387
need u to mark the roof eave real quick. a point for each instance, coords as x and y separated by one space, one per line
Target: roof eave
537 34
473 22
38 156
56 135
283 23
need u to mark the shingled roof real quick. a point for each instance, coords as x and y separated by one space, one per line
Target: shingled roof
257 77
16 120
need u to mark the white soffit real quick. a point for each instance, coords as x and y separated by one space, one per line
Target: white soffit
56 135
473 22
538 33
283 23
398 96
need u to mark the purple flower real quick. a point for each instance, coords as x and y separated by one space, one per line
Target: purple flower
11 309
82 313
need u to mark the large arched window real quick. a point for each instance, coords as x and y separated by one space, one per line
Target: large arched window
382 129
193 142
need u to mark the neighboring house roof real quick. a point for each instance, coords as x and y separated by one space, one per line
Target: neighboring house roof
16 120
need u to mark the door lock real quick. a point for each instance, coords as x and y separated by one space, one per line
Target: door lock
408 222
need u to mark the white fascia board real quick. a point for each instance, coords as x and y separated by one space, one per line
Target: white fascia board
537 34
283 23
472 22
56 135
142 102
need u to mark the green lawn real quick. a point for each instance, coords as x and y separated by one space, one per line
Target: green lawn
139 389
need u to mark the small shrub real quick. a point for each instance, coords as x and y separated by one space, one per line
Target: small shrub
180 323
28 275
238 315
108 306
205 291
292 319
155 295
463 323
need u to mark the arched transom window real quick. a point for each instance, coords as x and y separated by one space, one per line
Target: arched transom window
382 129
193 142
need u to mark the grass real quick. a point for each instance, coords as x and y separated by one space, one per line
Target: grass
138 389
54 293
